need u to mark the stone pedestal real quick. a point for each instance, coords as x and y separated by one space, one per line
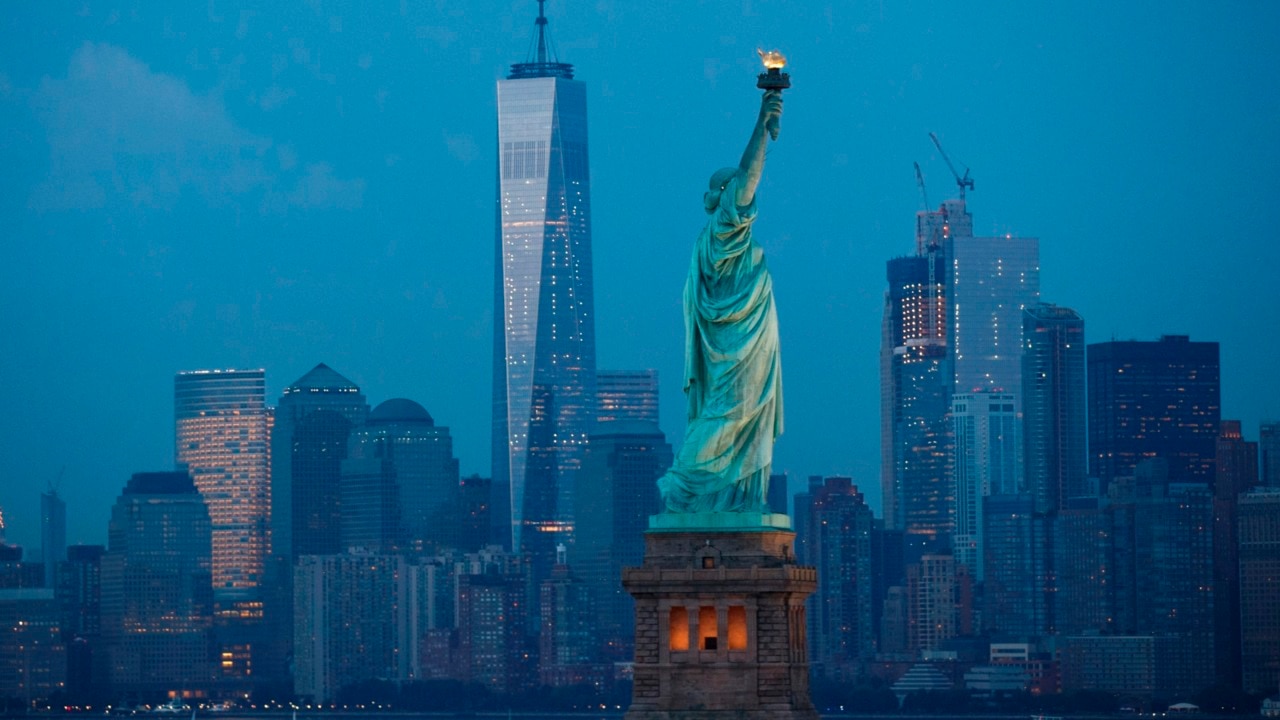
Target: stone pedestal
720 625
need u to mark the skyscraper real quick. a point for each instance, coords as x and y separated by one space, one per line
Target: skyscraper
626 395
1260 590
1055 459
53 534
915 392
837 526
1153 399
988 447
351 622
220 438
400 483
157 591
313 423
1235 473
991 281
544 338
618 482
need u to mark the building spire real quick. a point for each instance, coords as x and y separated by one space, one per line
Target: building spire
543 65
542 32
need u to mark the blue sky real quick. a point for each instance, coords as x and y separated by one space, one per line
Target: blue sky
279 184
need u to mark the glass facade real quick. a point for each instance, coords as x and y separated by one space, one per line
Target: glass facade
1153 399
988 462
627 395
991 280
916 435
311 429
157 592
618 481
544 335
400 483
1053 406
220 437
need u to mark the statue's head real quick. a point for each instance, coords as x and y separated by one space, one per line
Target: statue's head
719 180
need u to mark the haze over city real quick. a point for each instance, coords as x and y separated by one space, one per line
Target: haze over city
213 187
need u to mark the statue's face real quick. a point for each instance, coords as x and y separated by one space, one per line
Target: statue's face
719 180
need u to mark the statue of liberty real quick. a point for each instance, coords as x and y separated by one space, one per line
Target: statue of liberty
733 373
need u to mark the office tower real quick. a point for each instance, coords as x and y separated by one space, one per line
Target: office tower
1016 587
79 595
988 448
350 622
1055 459
915 398
492 639
1173 575
33 663
475 513
991 281
838 527
567 649
53 534
313 423
627 395
1085 573
931 602
618 482
220 438
544 361
1235 473
1153 399
400 483
1269 448
157 587
1260 591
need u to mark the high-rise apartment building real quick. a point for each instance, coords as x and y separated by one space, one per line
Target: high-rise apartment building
157 587
351 622
492 611
1153 399
544 325
53 534
837 527
220 438
313 423
400 483
931 602
1055 459
626 395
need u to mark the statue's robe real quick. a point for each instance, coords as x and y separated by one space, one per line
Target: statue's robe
733 372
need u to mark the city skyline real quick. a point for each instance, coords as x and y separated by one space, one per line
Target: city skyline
298 249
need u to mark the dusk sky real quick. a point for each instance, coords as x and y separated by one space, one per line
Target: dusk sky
278 184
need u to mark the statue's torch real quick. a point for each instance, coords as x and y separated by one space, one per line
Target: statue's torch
773 79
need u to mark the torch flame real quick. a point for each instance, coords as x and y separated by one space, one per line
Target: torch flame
773 60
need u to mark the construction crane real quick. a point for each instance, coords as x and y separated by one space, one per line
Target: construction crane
963 182
924 195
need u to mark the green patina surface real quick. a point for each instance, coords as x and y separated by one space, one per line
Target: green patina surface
719 522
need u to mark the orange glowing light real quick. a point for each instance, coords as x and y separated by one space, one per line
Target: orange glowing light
773 60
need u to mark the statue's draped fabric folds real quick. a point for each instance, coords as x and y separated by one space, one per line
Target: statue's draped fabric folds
733 372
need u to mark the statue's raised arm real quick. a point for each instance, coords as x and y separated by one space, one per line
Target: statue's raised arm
733 371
